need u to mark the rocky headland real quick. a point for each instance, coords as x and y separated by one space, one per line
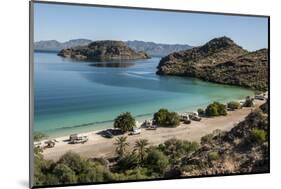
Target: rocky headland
220 60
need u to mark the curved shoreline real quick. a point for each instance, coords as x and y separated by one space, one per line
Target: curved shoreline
101 125
98 146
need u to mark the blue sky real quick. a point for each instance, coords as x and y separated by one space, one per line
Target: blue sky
65 22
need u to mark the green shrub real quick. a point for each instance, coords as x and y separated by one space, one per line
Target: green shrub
200 111
157 161
189 147
65 174
207 139
136 174
125 122
73 161
173 119
51 179
160 117
167 119
221 109
233 105
215 109
37 136
132 174
172 148
95 172
258 136
129 161
41 170
212 110
103 174
212 156
175 148
249 102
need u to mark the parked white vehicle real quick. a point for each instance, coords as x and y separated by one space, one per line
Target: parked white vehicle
138 124
38 145
194 116
185 118
75 139
241 102
192 113
260 97
147 123
136 131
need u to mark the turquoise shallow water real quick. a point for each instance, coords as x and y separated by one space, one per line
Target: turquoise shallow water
78 97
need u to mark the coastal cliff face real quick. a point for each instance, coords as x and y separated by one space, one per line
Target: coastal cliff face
221 61
103 50
244 149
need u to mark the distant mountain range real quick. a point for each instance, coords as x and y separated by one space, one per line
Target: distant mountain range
54 45
156 49
151 48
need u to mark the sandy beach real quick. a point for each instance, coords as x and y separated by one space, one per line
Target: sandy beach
98 146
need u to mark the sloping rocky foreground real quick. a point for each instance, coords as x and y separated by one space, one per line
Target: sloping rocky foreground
221 61
103 50
244 149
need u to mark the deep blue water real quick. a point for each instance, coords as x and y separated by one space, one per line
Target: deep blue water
73 96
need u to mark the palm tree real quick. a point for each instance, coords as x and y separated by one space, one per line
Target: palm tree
121 144
140 147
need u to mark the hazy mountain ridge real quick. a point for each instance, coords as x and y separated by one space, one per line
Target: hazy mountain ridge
55 45
156 49
151 48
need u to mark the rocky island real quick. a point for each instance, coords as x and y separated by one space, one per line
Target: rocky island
220 60
102 51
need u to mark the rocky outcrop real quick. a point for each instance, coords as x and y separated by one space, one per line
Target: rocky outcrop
103 50
221 61
244 149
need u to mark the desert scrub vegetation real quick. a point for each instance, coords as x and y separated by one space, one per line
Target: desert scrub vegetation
201 111
141 162
216 109
233 105
165 118
212 156
258 136
37 136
